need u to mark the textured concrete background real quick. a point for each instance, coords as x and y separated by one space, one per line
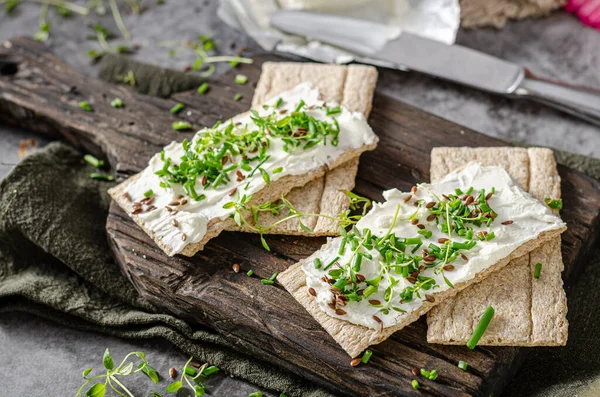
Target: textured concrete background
556 47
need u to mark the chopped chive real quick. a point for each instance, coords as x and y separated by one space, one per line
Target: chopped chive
371 289
415 384
241 79
274 276
117 103
300 105
469 191
283 395
181 125
554 204
334 110
425 233
463 365
278 103
86 106
256 394
481 327
490 236
458 191
250 273
104 177
91 160
366 356
317 263
177 108
203 88
538 270
210 370
237 97
148 193
331 263
267 282
277 170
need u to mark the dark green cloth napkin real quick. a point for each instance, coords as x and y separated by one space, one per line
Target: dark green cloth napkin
55 263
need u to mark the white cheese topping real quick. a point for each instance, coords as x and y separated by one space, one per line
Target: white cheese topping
529 218
192 218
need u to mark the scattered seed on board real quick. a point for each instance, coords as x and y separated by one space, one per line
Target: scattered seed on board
355 362
172 373
236 267
415 371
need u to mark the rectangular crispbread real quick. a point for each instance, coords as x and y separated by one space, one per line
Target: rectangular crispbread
529 311
351 86
355 338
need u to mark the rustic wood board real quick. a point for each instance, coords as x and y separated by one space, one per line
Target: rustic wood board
266 321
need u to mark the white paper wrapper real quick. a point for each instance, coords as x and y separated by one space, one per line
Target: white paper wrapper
434 19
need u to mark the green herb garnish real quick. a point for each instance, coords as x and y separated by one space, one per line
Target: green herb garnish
366 356
415 384
203 88
103 177
538 270
177 108
250 273
117 103
181 125
93 161
463 365
554 204
241 79
194 378
237 97
86 106
148 193
481 327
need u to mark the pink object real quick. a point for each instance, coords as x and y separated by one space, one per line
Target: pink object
588 11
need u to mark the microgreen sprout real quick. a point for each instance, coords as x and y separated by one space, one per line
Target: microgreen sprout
194 378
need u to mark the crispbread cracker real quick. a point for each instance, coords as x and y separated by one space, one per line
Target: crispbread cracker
351 86
355 338
529 312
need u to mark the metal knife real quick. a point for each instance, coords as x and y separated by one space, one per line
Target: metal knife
449 62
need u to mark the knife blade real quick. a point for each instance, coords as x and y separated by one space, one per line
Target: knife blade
454 63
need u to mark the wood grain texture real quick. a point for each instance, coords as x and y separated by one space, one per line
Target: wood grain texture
266 321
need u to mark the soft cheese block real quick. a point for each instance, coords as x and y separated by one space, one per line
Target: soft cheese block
418 245
191 184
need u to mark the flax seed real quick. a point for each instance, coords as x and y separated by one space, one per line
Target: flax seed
184 236
232 191
240 176
448 268
421 226
355 362
151 208
204 180
360 277
174 222
184 202
411 279
172 373
507 222
414 221
407 198
174 203
340 312
236 267
374 302
464 257
430 258
442 240
489 196
224 160
331 305
339 301
431 218
430 298
415 371
312 291
137 210
429 204
469 200
446 197
413 189
282 111
127 196
377 319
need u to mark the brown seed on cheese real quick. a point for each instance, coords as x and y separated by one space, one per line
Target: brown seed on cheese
429 204
442 240
312 291
407 198
507 222
340 312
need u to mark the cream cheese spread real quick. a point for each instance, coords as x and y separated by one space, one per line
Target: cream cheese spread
489 215
179 217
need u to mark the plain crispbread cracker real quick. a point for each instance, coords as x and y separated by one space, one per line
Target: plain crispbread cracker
352 87
529 312
355 338
337 82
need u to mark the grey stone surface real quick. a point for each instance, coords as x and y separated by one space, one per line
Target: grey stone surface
557 47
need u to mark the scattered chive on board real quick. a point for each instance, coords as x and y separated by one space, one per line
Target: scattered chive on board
366 356
241 79
177 108
237 97
463 365
256 394
415 384
103 177
203 88
93 161
554 204
538 270
481 327
117 103
86 106
181 125
250 273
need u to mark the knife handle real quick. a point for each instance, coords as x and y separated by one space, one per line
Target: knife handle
582 102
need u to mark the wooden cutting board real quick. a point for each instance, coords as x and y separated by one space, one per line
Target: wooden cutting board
265 321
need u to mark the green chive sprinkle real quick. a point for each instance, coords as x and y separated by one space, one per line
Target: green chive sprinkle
331 263
300 105
256 394
469 191
366 356
210 370
103 177
278 103
317 262
334 110
250 273
203 88
241 79
86 106
425 233
91 160
117 103
463 365
277 170
267 282
538 270
177 108
237 97
490 236
283 395
181 125
274 276
415 384
481 327
148 193
458 191
554 204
